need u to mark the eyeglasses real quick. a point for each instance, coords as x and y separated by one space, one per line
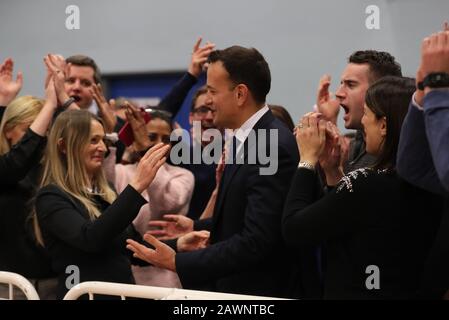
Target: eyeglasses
203 110
154 137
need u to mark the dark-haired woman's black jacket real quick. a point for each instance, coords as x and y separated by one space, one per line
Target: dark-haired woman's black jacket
372 221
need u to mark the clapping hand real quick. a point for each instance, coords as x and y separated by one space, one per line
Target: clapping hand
134 116
173 226
106 108
8 87
327 104
311 137
192 241
148 166
161 256
58 69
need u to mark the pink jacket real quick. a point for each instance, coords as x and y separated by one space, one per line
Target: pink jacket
170 192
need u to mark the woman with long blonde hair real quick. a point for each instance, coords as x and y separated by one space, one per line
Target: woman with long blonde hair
23 128
78 217
170 191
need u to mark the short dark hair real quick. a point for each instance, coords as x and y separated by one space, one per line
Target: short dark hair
380 63
162 115
85 61
246 66
389 97
201 90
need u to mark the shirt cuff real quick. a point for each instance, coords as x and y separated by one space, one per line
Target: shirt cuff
415 104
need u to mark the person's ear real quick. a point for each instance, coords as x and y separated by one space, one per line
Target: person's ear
62 146
241 94
8 133
383 127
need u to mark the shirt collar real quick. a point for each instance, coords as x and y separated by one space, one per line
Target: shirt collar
242 133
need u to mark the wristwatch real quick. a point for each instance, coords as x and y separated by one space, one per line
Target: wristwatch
435 80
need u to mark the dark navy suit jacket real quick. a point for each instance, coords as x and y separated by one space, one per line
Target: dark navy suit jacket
247 254
423 160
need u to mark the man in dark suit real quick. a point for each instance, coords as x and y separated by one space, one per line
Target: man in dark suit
246 253
423 154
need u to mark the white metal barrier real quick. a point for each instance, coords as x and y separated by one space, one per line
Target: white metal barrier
147 292
14 279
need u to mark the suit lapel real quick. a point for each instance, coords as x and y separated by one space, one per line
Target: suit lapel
231 169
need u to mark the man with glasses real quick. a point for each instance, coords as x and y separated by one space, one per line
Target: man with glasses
201 113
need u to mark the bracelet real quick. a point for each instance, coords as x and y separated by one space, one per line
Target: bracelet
306 165
66 104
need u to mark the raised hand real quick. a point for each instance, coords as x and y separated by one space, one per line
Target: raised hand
435 53
137 123
161 256
331 158
327 104
174 226
59 62
148 166
311 137
43 119
8 87
106 108
192 241
58 69
199 57
50 93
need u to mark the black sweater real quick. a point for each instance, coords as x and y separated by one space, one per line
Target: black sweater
371 218
19 174
97 248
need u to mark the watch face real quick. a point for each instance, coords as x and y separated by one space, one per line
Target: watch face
436 80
